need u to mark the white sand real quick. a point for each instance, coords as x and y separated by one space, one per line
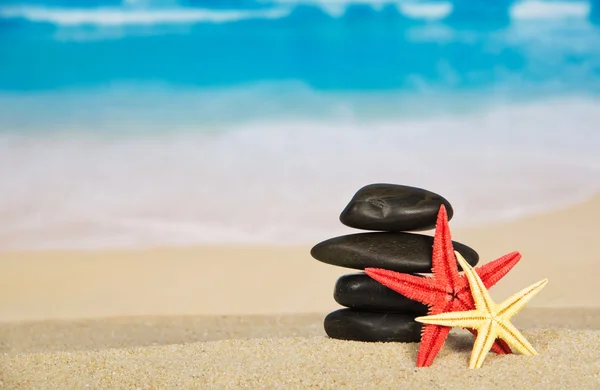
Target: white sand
568 359
155 318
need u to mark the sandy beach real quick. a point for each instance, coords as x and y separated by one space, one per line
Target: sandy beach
166 168
251 316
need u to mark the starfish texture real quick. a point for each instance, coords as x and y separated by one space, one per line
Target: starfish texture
490 319
446 291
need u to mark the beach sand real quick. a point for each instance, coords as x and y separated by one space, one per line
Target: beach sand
568 359
251 316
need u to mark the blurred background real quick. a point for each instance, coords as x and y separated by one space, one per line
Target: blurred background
147 123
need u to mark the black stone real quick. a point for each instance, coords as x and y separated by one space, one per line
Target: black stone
348 324
392 208
360 291
402 252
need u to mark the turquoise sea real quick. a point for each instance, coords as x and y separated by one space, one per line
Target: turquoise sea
146 122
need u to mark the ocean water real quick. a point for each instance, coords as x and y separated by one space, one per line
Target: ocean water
146 123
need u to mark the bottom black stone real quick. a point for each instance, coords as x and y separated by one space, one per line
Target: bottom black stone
348 324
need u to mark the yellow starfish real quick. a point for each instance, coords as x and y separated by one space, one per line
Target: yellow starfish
491 320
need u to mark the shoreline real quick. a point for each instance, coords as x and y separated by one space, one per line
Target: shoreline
573 203
242 279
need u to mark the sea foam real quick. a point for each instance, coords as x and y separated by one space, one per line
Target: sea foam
550 10
116 16
149 14
286 180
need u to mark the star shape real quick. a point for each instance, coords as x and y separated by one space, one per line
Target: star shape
446 291
490 319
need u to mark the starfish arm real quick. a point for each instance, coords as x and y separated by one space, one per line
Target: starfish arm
481 296
493 271
460 319
464 299
443 261
433 338
420 289
515 302
486 335
514 338
500 346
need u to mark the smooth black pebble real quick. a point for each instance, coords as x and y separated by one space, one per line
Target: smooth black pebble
393 207
402 252
360 291
349 324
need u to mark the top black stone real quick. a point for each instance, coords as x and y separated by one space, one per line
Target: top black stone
393 207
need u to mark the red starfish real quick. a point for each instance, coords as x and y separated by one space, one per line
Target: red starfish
446 291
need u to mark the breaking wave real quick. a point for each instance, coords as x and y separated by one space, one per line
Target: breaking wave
149 14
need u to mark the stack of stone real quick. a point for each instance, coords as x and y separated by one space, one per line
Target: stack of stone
374 312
